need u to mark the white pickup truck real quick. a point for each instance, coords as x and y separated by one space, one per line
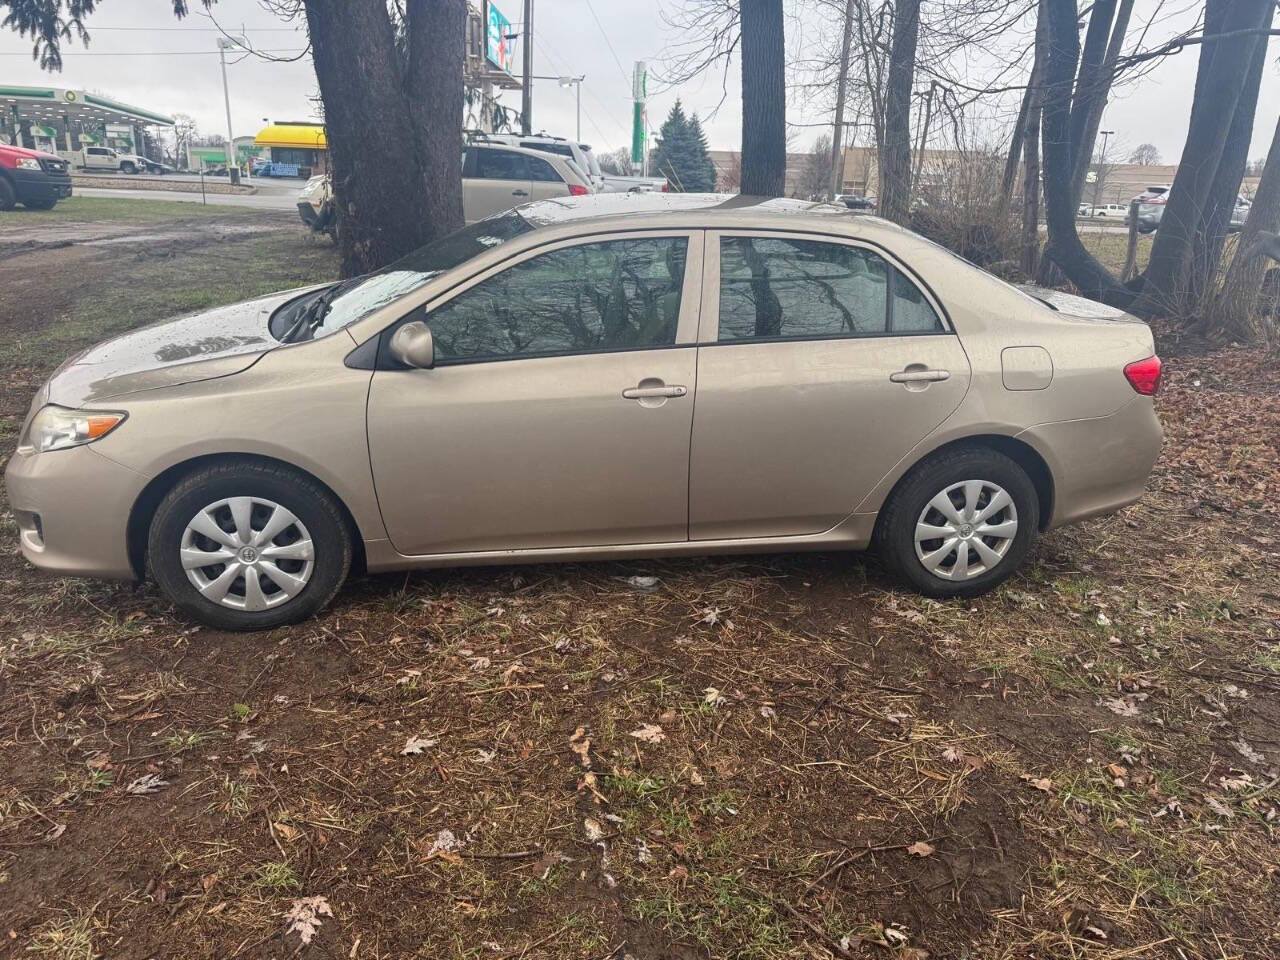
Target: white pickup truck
105 158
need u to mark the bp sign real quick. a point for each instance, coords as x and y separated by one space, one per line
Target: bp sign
497 46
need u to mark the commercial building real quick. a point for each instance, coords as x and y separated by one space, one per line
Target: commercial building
297 143
64 121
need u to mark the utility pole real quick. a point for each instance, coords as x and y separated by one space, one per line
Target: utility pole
526 94
1101 172
225 44
842 81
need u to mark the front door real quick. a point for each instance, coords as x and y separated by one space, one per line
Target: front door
559 410
823 364
493 181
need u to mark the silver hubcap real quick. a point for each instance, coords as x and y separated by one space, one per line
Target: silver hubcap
966 529
247 553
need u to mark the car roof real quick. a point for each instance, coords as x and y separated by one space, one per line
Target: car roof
556 160
701 208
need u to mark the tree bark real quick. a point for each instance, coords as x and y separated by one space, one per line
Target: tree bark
842 83
390 200
1220 82
1206 251
1232 308
764 111
1064 248
1091 98
1031 145
895 159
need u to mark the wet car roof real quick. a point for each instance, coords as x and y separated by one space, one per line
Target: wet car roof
569 210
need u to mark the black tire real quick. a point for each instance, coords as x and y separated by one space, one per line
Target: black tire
895 528
314 506
40 204
129 168
7 197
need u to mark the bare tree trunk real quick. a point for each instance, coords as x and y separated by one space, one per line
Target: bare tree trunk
1064 248
764 111
923 139
1091 98
1231 309
1206 251
895 160
1221 80
437 50
1031 145
842 82
1091 56
1014 158
390 200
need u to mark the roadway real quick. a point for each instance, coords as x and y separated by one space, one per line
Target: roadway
271 195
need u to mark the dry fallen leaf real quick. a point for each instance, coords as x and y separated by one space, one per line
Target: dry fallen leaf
304 917
920 849
416 745
150 783
592 828
649 733
1043 784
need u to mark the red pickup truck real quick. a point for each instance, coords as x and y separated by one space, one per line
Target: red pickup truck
34 179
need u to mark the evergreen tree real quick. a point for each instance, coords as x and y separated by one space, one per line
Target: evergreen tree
682 156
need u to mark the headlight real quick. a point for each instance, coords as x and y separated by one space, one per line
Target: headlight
28 163
57 428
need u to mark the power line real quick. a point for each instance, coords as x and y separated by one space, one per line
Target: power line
153 53
608 42
194 29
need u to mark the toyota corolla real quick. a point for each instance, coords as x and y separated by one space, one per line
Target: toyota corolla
631 375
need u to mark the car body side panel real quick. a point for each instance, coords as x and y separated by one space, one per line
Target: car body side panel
298 404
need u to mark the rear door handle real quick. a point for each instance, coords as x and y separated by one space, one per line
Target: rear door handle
920 376
653 393
519 193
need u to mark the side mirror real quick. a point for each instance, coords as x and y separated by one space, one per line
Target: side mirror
413 346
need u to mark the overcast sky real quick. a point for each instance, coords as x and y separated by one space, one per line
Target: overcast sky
140 54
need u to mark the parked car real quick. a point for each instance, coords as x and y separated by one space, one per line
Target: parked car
315 205
524 390
34 179
1109 210
856 201
494 179
105 158
586 161
1151 204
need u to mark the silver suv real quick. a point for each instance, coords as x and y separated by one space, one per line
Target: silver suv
1151 204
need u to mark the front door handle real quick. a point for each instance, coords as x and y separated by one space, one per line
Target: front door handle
519 193
653 393
916 374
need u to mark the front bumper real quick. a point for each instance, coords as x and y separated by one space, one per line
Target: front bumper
72 509
39 186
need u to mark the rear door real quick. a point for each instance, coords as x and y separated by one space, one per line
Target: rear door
494 181
821 364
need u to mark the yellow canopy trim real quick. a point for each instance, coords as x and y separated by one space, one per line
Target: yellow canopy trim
291 135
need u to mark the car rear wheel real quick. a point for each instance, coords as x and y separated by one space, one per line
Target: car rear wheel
249 546
959 524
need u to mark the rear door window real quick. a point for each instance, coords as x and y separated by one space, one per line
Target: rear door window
787 289
542 171
501 165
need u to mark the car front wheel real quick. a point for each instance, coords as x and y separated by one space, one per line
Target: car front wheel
249 546
960 523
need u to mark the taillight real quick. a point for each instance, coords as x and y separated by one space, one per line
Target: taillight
666 187
578 190
1144 375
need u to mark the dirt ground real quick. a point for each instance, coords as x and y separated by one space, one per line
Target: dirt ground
765 757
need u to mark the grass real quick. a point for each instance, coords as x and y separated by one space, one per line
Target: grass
156 288
118 209
68 937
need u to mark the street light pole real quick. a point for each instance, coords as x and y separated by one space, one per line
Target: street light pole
1102 162
225 44
567 82
526 94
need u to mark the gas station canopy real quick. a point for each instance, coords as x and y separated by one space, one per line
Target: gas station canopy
47 104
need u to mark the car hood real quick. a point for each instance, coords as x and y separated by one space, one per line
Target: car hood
202 346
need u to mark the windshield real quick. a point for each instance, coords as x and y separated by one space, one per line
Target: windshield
592 162
355 299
